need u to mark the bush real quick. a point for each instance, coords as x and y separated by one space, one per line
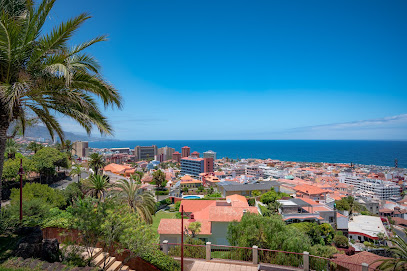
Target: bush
158 192
322 251
251 202
161 260
42 192
177 205
341 241
58 218
72 192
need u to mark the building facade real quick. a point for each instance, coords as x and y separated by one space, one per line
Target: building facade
176 156
185 151
209 154
194 166
79 148
145 152
165 153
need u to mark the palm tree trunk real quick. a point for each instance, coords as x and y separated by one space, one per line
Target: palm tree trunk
4 124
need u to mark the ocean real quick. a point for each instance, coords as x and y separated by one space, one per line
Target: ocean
366 152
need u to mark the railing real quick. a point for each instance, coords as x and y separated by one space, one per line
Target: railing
255 255
232 253
277 257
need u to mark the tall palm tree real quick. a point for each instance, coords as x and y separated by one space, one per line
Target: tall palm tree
97 185
41 75
76 170
11 148
399 260
138 200
96 162
34 146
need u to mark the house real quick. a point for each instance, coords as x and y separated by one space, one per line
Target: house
189 182
354 262
311 192
214 216
306 210
246 189
366 228
123 170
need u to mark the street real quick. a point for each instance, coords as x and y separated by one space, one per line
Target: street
70 179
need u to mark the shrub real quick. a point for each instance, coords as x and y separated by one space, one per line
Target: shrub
42 192
195 251
341 241
177 205
159 192
251 202
72 192
322 251
58 218
160 260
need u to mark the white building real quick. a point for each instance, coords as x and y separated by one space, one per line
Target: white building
210 154
371 187
366 228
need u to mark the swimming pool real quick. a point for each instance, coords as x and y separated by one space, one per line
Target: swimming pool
192 197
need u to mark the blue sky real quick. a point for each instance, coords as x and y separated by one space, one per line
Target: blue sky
251 69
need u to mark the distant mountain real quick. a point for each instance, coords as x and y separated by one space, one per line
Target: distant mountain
42 132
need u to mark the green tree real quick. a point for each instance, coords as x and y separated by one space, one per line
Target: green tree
76 170
42 192
256 193
194 228
12 166
47 159
96 162
399 251
41 75
159 178
272 196
341 241
139 201
97 185
11 148
34 146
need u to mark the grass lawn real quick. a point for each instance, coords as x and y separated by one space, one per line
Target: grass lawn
160 215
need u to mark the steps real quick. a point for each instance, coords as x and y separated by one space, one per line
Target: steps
100 258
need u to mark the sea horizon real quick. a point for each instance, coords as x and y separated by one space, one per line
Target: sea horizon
367 152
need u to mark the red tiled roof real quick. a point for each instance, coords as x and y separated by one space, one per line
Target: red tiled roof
192 206
310 189
354 262
173 226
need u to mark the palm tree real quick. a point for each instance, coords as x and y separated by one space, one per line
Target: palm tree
399 260
97 186
76 170
96 162
11 148
138 200
34 146
42 76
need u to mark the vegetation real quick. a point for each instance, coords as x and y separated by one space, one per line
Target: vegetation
42 74
159 179
47 159
399 251
137 200
349 204
341 241
97 186
322 234
96 162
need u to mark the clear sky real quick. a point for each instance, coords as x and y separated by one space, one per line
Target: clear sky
251 69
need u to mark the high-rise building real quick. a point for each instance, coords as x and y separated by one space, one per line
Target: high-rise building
79 148
195 154
185 151
145 152
194 166
165 153
176 156
210 154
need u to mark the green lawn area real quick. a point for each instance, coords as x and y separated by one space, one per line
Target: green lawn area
160 215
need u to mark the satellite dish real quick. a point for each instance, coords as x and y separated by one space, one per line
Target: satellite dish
228 201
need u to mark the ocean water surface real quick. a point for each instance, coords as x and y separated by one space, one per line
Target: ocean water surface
366 152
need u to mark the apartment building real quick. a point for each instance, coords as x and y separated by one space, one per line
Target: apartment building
194 166
79 148
374 188
176 156
165 153
254 171
185 151
145 152
209 154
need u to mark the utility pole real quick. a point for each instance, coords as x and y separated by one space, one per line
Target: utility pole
21 172
335 217
182 238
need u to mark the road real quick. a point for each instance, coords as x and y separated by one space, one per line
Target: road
64 183
400 233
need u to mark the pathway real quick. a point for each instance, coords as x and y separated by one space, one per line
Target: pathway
214 266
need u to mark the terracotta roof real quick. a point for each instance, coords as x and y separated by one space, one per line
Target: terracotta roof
173 226
310 189
192 206
237 197
115 168
354 262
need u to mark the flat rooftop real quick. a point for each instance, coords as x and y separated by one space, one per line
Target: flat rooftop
368 225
